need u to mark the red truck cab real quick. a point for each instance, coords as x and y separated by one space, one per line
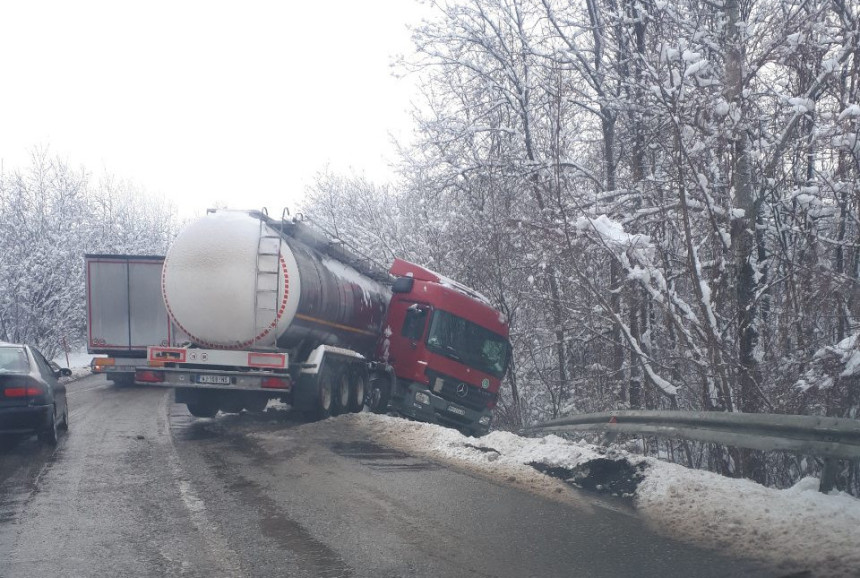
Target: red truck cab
448 347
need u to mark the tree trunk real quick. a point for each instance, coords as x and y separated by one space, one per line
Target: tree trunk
744 217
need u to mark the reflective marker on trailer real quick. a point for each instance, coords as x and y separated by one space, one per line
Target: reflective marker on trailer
275 383
276 360
176 354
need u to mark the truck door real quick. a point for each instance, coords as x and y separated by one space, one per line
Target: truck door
408 324
125 310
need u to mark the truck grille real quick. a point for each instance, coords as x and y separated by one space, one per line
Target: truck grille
469 396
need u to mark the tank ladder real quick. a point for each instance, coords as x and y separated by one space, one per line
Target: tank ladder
267 291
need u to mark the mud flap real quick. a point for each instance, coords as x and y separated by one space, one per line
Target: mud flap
305 392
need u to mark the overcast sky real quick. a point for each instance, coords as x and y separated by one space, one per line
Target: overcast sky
239 103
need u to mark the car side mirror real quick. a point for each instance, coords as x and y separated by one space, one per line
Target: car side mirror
65 372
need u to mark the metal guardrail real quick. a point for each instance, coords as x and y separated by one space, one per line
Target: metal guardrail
828 437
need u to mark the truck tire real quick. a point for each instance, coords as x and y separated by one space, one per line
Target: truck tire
231 403
341 393
202 409
357 391
325 396
379 394
256 404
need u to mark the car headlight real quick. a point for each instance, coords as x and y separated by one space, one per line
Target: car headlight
484 420
422 397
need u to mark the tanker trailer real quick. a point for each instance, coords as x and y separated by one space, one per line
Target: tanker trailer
272 309
275 309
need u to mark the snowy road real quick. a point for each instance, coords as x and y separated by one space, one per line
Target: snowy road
140 488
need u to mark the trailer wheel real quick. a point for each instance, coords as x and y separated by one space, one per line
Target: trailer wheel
325 395
256 404
358 390
231 404
380 393
202 409
341 393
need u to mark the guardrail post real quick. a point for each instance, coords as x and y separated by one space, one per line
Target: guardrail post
610 434
828 475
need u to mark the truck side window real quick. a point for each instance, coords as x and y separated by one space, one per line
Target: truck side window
413 325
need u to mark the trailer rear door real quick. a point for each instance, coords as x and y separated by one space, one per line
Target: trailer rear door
125 310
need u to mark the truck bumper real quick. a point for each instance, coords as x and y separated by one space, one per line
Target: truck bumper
207 379
117 365
422 404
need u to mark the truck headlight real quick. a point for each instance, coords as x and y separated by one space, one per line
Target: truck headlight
485 421
422 397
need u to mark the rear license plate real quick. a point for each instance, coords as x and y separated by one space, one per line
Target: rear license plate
457 410
214 379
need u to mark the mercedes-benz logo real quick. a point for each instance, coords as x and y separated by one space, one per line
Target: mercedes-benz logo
462 390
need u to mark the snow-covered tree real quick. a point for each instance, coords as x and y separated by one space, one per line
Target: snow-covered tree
50 216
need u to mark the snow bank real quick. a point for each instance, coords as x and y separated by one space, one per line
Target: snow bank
799 526
76 359
77 373
78 362
796 527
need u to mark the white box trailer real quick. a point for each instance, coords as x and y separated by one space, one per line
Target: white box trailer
125 313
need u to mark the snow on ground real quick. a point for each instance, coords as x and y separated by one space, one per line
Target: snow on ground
78 362
796 526
78 373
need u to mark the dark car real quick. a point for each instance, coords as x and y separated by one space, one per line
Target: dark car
31 398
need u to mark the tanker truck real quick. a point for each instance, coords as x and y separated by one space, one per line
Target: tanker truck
275 309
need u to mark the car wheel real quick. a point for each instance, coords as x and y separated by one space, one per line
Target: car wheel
49 435
64 425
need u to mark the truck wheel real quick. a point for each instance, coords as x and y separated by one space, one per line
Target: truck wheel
325 396
256 404
202 409
231 403
357 391
341 394
380 393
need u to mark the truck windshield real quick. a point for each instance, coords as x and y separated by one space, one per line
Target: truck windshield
468 343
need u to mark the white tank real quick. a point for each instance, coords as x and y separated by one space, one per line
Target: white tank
209 282
230 281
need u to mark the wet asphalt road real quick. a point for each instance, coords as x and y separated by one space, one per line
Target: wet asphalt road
140 488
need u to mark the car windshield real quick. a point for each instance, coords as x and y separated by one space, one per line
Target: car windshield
13 360
468 343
